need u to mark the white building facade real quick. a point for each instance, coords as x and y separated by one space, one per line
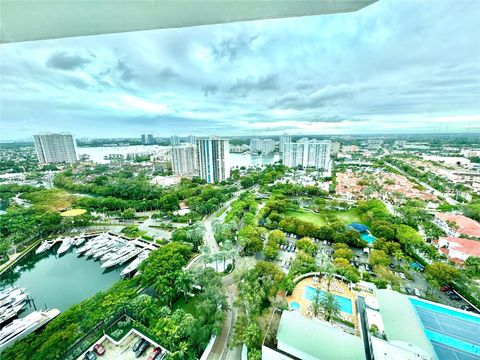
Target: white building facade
213 159
55 148
263 146
308 153
284 139
184 161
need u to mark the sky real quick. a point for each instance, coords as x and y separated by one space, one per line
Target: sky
392 67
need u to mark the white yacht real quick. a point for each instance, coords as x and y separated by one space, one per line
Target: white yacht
20 328
67 243
111 247
80 240
14 298
89 244
123 255
6 292
44 246
135 263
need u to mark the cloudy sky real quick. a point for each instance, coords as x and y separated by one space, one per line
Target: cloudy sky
393 67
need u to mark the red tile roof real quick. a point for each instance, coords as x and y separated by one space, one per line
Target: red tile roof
465 246
466 225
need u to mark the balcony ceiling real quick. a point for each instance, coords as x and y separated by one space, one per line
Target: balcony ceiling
28 20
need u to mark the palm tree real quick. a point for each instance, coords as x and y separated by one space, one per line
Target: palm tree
183 282
330 305
317 303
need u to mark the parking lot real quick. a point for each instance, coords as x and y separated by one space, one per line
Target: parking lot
124 350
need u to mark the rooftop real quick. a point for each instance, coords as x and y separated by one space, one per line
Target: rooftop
465 225
465 246
401 323
306 335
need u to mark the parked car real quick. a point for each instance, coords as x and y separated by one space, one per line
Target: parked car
392 266
137 344
141 349
156 353
409 291
90 355
402 275
99 349
449 292
454 297
416 292
445 288
469 308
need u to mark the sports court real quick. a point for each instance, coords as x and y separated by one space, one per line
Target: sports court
453 334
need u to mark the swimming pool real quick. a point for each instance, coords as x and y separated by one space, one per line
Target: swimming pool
369 238
345 303
294 305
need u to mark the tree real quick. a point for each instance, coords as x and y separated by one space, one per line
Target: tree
307 245
250 238
378 257
278 236
342 251
317 303
441 273
472 266
184 282
128 214
330 305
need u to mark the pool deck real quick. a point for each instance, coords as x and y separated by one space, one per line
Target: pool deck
337 287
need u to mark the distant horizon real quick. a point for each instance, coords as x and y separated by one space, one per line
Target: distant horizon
388 135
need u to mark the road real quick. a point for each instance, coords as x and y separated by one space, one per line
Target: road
220 349
447 198
209 238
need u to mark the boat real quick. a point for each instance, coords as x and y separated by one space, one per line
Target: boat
44 246
20 328
10 312
135 263
10 296
66 245
14 300
99 245
111 247
80 240
89 245
6 292
121 257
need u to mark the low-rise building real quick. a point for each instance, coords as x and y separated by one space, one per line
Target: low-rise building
165 181
456 224
458 249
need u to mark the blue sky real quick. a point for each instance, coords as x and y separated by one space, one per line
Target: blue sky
393 67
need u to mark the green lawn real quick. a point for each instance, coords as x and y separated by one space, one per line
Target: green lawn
319 219
188 306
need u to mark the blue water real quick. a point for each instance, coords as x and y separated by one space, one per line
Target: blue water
416 265
294 305
345 303
446 311
368 237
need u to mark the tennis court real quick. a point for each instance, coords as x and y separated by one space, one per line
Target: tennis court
453 334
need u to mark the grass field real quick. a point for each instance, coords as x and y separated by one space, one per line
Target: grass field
73 212
319 219
50 199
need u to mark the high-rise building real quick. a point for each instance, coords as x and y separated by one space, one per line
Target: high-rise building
174 140
184 160
55 148
285 138
307 153
213 159
148 139
192 139
263 146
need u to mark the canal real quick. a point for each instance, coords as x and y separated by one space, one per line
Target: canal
58 281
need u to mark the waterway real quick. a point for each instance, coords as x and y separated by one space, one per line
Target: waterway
97 154
58 281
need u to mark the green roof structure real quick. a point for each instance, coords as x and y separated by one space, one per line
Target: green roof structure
402 325
311 339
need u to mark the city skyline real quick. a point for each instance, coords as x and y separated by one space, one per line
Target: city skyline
378 70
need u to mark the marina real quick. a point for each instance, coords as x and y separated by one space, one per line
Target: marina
59 273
